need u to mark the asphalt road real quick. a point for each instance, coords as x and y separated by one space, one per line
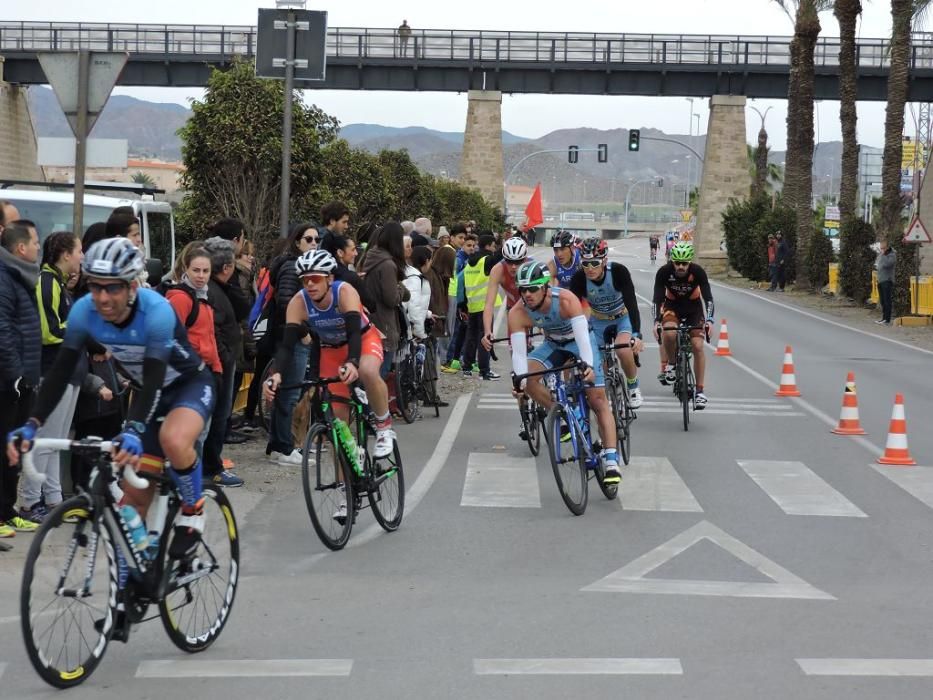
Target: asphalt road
757 555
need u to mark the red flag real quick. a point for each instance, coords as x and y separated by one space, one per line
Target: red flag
534 214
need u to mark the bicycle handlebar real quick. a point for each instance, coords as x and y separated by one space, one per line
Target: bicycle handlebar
576 364
64 444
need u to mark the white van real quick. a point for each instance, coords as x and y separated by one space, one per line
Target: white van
54 211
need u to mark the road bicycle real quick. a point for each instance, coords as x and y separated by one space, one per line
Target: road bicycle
618 394
573 453
684 381
84 583
412 387
343 472
532 415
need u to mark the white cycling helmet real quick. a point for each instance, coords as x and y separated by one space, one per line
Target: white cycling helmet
514 249
113 258
315 262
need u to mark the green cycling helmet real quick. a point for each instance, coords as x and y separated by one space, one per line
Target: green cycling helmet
532 274
682 252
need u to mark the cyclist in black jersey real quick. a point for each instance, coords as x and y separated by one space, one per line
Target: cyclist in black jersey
682 291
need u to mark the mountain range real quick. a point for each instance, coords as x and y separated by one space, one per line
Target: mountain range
151 131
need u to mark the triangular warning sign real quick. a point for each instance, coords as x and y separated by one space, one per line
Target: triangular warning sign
917 232
61 70
631 578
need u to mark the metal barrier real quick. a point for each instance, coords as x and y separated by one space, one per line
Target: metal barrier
224 42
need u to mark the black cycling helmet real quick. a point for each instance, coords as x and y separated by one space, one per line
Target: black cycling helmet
562 239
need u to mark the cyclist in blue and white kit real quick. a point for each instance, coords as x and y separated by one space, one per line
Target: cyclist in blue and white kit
141 331
608 289
566 260
559 314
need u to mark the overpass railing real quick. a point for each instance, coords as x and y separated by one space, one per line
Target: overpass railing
221 43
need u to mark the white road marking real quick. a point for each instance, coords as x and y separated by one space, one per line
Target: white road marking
867 667
651 483
499 481
631 577
243 668
797 490
430 472
551 667
917 481
2 668
719 411
726 406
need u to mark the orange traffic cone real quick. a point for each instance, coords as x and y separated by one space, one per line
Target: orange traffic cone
788 380
722 347
895 449
848 417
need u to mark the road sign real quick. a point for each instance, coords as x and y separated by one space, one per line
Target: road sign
310 44
917 232
61 70
832 213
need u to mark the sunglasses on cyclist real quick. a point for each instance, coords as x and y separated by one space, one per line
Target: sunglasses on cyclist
591 263
530 289
681 264
310 239
111 289
315 278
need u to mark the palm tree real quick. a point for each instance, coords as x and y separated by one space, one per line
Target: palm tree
141 178
798 184
847 12
771 174
760 175
904 13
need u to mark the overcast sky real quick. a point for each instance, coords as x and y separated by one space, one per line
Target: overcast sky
524 115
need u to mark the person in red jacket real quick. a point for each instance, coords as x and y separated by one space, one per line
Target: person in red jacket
190 290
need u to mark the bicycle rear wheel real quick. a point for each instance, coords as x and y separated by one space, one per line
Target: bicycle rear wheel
387 490
532 426
200 589
406 391
618 401
568 461
68 597
686 386
327 485
429 376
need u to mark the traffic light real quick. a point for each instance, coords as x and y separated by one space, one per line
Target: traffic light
602 152
633 138
573 154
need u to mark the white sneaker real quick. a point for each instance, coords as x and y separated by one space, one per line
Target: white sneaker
670 374
635 398
384 440
340 515
292 459
700 401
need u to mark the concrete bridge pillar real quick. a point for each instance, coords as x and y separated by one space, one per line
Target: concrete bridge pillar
725 175
481 162
17 136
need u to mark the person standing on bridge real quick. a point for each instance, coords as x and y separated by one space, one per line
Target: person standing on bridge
404 34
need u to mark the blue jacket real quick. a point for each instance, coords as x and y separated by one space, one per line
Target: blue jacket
20 333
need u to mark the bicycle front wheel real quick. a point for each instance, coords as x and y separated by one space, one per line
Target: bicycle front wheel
406 392
686 387
201 588
328 487
68 597
618 401
568 460
387 490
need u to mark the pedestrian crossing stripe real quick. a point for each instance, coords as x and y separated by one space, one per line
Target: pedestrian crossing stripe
498 481
917 481
631 577
243 668
900 668
797 490
652 484
2 669
577 667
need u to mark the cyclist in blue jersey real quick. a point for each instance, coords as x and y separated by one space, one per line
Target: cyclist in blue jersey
175 390
566 260
609 291
559 314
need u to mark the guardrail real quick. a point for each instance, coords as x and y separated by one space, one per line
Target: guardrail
225 42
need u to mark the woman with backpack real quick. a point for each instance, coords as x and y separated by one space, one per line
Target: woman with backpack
189 299
384 270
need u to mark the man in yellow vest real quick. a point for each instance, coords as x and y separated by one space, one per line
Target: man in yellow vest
449 261
473 300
